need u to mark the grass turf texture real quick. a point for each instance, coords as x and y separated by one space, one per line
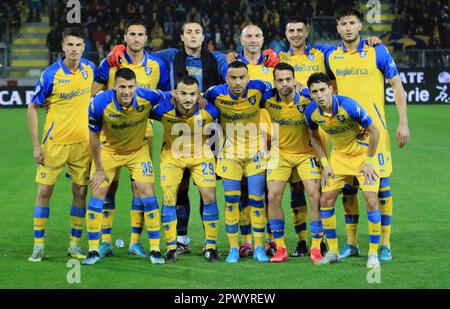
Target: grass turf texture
419 238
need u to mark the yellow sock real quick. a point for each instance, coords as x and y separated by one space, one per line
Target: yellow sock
258 218
374 226
94 222
329 226
152 219
244 222
77 215
351 213
137 220
386 205
210 223
109 207
41 214
232 198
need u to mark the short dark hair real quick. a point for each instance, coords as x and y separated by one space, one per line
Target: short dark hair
349 11
297 19
190 22
135 22
189 80
318 78
73 31
282 66
237 65
124 73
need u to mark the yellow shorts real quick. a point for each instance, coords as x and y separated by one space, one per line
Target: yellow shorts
235 168
75 157
138 163
281 168
383 155
202 169
339 181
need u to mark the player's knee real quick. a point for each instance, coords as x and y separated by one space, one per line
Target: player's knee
372 202
79 192
326 201
45 192
208 197
275 198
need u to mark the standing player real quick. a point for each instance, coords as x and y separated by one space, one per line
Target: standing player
292 152
66 86
243 154
351 159
355 63
151 73
185 125
252 40
121 114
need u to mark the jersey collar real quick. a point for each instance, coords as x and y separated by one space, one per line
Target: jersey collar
296 98
244 60
307 49
118 106
130 60
65 69
178 114
359 49
334 111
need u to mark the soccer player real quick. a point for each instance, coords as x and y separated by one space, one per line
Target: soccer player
66 86
291 152
355 63
185 133
252 40
352 159
151 73
121 114
243 154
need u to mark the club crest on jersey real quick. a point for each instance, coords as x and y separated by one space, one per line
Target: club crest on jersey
301 108
148 71
201 122
85 74
43 175
224 169
140 108
363 54
341 118
265 69
252 100
310 57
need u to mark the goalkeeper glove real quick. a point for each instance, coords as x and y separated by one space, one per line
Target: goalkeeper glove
116 56
270 58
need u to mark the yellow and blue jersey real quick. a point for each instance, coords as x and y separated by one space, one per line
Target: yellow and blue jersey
293 133
310 62
123 128
190 129
68 94
151 73
341 126
256 71
360 75
239 112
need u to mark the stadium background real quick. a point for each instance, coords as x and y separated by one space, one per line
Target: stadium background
417 34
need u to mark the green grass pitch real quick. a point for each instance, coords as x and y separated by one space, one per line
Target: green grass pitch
420 185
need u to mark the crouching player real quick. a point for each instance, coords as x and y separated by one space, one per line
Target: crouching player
186 128
352 159
122 114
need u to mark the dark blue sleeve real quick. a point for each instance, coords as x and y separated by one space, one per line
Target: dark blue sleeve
44 87
153 96
167 55
212 110
102 75
211 94
356 112
305 93
309 111
164 79
96 108
385 63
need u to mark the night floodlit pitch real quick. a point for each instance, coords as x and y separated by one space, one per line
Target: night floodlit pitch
420 185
